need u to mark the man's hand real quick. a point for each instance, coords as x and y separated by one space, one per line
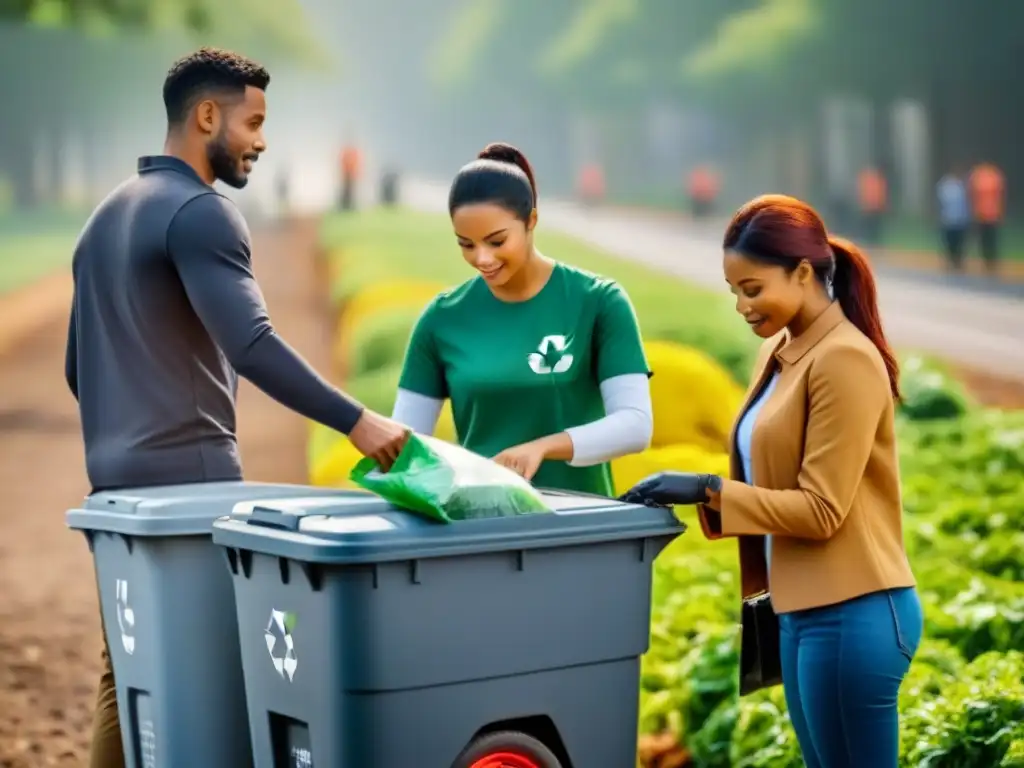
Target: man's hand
524 459
670 488
379 437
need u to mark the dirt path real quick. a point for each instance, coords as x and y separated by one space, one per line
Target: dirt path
49 627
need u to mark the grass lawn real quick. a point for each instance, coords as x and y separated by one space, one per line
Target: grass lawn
35 244
379 243
899 233
911 234
385 244
27 258
962 493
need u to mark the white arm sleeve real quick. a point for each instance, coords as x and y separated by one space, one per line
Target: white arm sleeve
627 427
418 412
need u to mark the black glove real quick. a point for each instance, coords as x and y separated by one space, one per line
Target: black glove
668 488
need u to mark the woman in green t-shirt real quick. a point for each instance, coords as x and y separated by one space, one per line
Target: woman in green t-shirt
543 362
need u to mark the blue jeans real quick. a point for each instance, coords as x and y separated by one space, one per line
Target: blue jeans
842 667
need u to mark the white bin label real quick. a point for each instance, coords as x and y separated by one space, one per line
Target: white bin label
125 617
301 758
281 643
147 739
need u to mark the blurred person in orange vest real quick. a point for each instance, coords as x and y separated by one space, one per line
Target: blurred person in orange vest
872 195
591 184
351 170
703 188
988 191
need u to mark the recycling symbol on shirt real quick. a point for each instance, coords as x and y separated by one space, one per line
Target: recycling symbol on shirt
551 356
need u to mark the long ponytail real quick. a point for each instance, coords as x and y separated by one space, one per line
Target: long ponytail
854 286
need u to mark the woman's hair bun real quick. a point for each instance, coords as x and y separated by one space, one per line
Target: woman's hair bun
502 153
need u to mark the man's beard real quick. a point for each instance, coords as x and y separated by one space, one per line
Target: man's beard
225 167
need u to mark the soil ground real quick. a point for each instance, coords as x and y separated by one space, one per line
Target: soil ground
49 625
994 391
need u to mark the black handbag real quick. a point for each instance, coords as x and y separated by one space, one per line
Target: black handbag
760 659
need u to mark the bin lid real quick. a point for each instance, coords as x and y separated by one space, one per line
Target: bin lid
177 510
359 527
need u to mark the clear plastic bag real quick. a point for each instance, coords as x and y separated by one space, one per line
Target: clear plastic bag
448 483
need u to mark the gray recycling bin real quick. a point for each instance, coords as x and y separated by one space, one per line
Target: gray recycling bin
374 638
167 602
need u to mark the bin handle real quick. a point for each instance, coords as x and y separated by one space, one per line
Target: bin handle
272 518
586 495
582 494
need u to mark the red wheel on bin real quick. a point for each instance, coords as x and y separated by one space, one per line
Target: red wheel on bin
507 749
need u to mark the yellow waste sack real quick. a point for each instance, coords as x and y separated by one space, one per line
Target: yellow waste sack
321 440
627 471
380 297
331 469
445 429
694 398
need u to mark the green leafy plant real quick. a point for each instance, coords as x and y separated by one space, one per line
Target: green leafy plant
962 473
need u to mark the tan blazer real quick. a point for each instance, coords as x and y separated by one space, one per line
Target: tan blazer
824 460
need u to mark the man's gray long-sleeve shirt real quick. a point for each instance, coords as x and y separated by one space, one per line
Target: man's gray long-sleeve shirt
166 311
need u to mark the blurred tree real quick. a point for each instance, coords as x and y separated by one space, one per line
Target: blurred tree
552 63
483 69
75 59
957 57
620 53
275 26
616 65
768 64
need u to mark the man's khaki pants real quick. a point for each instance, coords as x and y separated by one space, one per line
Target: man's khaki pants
106 750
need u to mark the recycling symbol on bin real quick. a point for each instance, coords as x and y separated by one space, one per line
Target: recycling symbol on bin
125 617
281 644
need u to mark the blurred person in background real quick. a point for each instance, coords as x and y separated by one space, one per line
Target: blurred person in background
703 186
282 187
873 197
988 192
389 181
591 184
351 162
954 216
814 492
542 362
167 312
842 210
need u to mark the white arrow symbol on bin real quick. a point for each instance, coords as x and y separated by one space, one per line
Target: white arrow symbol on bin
125 617
281 644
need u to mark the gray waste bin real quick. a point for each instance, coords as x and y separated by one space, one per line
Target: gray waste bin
168 610
373 638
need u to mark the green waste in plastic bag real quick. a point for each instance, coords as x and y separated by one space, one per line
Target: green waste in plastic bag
447 483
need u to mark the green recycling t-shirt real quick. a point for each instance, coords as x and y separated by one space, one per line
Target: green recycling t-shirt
518 371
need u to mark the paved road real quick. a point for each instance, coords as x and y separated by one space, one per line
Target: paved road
974 328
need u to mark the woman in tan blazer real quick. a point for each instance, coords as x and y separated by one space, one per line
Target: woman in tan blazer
813 494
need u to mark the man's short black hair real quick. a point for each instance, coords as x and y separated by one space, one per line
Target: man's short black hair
207 71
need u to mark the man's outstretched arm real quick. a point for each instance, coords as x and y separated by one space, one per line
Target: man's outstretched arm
208 241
